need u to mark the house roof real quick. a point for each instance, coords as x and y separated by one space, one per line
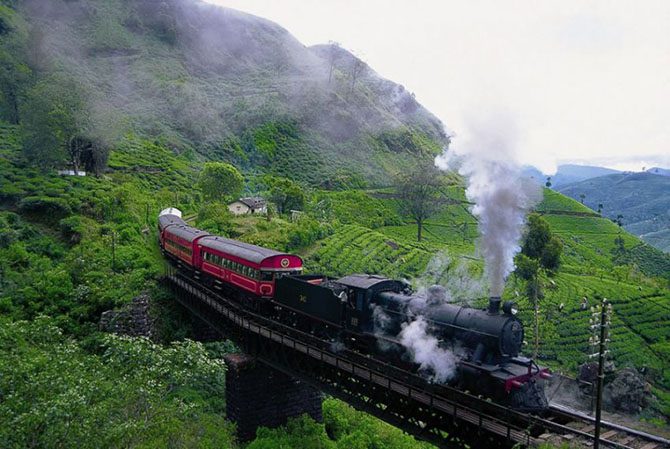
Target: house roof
254 202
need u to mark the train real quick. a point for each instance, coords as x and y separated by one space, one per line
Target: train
364 312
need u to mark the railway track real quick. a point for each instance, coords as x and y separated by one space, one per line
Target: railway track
417 407
565 425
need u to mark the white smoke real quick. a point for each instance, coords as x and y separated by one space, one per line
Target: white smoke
425 350
501 195
382 328
461 279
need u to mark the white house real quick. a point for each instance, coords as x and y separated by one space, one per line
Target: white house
251 205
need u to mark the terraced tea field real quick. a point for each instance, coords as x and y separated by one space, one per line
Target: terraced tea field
641 323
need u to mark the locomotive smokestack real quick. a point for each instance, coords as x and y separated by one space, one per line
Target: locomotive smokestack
494 305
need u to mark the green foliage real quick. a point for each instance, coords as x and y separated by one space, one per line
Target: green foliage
638 201
269 137
353 429
215 218
343 428
285 193
49 208
539 243
305 232
355 249
15 75
279 234
406 140
56 123
300 432
354 207
421 190
108 32
551 255
648 259
220 181
133 393
526 268
537 237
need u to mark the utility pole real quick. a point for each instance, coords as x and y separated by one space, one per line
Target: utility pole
114 251
600 323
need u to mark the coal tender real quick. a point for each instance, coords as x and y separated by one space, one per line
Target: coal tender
368 312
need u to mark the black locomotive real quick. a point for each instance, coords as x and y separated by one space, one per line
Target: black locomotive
488 342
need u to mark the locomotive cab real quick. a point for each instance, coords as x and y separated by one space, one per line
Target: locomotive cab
362 289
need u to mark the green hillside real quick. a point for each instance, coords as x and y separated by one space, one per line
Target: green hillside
640 200
213 81
155 100
55 245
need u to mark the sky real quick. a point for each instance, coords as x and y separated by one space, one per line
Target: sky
580 81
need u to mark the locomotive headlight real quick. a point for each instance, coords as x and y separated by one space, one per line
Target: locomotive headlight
510 308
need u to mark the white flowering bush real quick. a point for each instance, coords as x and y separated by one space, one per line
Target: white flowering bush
120 392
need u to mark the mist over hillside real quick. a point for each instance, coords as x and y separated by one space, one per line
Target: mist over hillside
211 79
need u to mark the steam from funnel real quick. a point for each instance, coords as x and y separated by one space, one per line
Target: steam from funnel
425 350
501 196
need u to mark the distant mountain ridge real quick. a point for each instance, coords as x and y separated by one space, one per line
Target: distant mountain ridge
659 171
568 173
642 199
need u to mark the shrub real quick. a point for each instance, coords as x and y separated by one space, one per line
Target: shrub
49 208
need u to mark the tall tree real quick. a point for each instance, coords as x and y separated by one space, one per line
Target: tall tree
334 53
286 194
15 74
357 68
53 116
421 192
220 181
541 252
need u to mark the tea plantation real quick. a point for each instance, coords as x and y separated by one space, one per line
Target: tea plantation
73 247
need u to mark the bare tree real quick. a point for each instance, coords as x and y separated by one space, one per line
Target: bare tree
421 191
334 53
357 68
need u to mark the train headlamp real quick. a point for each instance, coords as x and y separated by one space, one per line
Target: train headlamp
510 308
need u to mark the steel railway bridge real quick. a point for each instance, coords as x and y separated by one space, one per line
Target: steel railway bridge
439 414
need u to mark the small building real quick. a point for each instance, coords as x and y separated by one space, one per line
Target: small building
251 205
71 173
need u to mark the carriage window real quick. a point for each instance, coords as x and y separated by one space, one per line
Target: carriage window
266 276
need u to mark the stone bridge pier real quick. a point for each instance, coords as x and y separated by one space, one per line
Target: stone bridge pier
260 396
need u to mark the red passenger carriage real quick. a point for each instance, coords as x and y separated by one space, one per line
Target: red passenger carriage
243 266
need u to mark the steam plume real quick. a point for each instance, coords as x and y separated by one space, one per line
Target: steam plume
425 351
501 195
460 279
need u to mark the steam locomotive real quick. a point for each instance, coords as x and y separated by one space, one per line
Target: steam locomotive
364 312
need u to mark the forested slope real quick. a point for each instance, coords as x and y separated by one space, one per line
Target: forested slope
202 78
